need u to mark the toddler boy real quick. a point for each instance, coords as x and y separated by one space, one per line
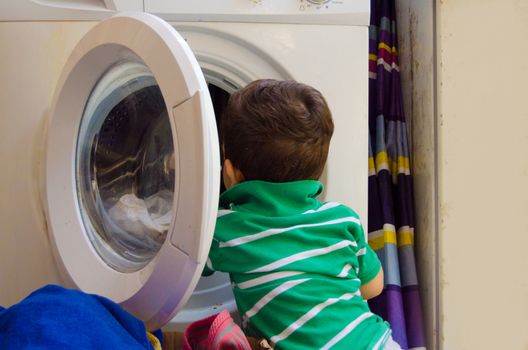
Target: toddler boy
300 268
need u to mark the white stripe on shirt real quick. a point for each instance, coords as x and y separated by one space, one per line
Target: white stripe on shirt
382 340
344 271
271 295
209 264
303 255
223 212
349 328
274 231
309 315
267 278
323 207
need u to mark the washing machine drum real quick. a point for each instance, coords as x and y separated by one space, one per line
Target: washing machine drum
132 167
125 166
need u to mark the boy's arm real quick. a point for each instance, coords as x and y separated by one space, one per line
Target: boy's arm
370 271
374 287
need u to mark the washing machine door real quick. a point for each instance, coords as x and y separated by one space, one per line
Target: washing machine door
132 167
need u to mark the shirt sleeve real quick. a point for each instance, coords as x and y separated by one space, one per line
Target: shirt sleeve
368 263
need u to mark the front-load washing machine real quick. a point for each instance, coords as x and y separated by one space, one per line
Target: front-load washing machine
131 171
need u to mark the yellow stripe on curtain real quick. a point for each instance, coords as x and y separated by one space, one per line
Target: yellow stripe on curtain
383 162
387 48
401 166
378 239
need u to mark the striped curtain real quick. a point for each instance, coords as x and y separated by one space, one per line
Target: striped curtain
391 207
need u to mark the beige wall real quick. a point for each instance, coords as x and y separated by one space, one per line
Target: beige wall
465 75
483 173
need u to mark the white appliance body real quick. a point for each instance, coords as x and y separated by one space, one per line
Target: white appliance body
321 45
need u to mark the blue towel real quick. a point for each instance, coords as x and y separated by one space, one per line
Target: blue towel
57 318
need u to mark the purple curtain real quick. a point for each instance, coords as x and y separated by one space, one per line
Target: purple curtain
391 207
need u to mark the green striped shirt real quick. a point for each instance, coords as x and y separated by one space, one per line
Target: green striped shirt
296 265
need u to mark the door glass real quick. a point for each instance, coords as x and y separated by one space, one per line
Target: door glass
125 167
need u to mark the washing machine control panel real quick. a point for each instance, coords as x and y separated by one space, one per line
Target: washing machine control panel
341 12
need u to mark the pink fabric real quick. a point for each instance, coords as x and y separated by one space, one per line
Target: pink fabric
218 332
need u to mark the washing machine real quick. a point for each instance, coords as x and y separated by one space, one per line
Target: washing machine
117 102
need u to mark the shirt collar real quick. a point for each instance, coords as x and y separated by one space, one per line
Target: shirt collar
272 198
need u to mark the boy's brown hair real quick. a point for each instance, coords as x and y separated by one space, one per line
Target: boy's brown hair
277 131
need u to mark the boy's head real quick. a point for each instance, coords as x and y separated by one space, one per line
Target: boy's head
276 131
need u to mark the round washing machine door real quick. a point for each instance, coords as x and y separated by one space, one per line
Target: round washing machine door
132 170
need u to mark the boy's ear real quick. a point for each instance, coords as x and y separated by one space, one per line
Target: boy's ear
232 175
